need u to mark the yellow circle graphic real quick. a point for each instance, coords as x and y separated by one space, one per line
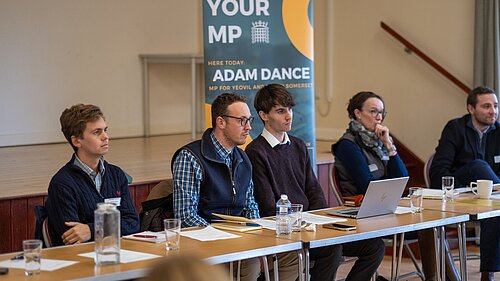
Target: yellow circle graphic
298 27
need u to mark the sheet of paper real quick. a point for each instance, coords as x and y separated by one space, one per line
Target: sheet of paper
307 217
495 196
402 210
477 202
317 219
126 256
46 264
269 224
467 189
208 234
434 193
463 189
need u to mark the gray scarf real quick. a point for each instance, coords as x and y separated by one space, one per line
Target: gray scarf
368 139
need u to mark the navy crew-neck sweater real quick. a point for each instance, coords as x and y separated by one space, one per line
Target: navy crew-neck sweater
284 169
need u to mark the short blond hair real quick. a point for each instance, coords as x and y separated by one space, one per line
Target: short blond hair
185 268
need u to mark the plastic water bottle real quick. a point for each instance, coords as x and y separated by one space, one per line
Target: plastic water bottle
107 234
283 216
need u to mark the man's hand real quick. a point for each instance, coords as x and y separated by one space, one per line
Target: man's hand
78 233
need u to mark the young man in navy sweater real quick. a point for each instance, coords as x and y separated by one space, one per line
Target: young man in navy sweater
87 179
281 165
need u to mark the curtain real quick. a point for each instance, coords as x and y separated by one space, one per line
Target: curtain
486 45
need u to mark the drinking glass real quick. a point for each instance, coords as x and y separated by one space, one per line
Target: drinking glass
32 256
296 217
416 199
172 234
447 185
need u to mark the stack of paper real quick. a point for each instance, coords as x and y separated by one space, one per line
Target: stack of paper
435 193
234 223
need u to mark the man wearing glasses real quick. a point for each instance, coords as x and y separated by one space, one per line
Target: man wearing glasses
213 175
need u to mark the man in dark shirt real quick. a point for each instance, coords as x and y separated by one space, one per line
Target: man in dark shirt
281 165
469 149
86 180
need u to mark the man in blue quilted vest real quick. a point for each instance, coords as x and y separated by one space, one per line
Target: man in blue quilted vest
213 175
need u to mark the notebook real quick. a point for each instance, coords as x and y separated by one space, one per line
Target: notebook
381 198
234 223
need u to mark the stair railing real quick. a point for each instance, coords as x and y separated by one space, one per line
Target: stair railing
412 49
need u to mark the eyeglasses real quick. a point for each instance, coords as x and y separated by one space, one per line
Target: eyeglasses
374 113
243 120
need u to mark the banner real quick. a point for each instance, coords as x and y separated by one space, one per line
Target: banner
252 43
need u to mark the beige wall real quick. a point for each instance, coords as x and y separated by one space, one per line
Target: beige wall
419 100
54 53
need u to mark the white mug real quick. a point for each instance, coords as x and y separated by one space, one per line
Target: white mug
483 188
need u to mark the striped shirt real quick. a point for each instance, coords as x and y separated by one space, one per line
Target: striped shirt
95 176
187 174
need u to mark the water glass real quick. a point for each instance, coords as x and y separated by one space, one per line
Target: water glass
32 256
296 217
416 199
448 185
172 234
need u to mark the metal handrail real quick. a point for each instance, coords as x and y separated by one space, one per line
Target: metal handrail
409 46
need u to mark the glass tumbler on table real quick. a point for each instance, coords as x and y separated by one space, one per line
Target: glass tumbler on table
447 185
296 215
416 199
172 234
32 256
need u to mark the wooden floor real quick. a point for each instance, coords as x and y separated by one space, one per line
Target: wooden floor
407 266
26 170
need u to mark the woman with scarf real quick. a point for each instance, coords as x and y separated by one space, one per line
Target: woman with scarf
366 152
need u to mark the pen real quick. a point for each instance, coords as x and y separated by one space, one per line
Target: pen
18 257
144 236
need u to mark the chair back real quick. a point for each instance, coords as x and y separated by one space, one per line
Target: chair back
427 169
42 230
334 182
158 206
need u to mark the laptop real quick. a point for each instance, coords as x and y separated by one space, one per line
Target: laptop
381 198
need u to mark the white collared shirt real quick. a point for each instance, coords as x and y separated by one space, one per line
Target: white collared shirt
272 140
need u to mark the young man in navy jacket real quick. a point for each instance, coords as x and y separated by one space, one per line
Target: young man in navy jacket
86 180
469 149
